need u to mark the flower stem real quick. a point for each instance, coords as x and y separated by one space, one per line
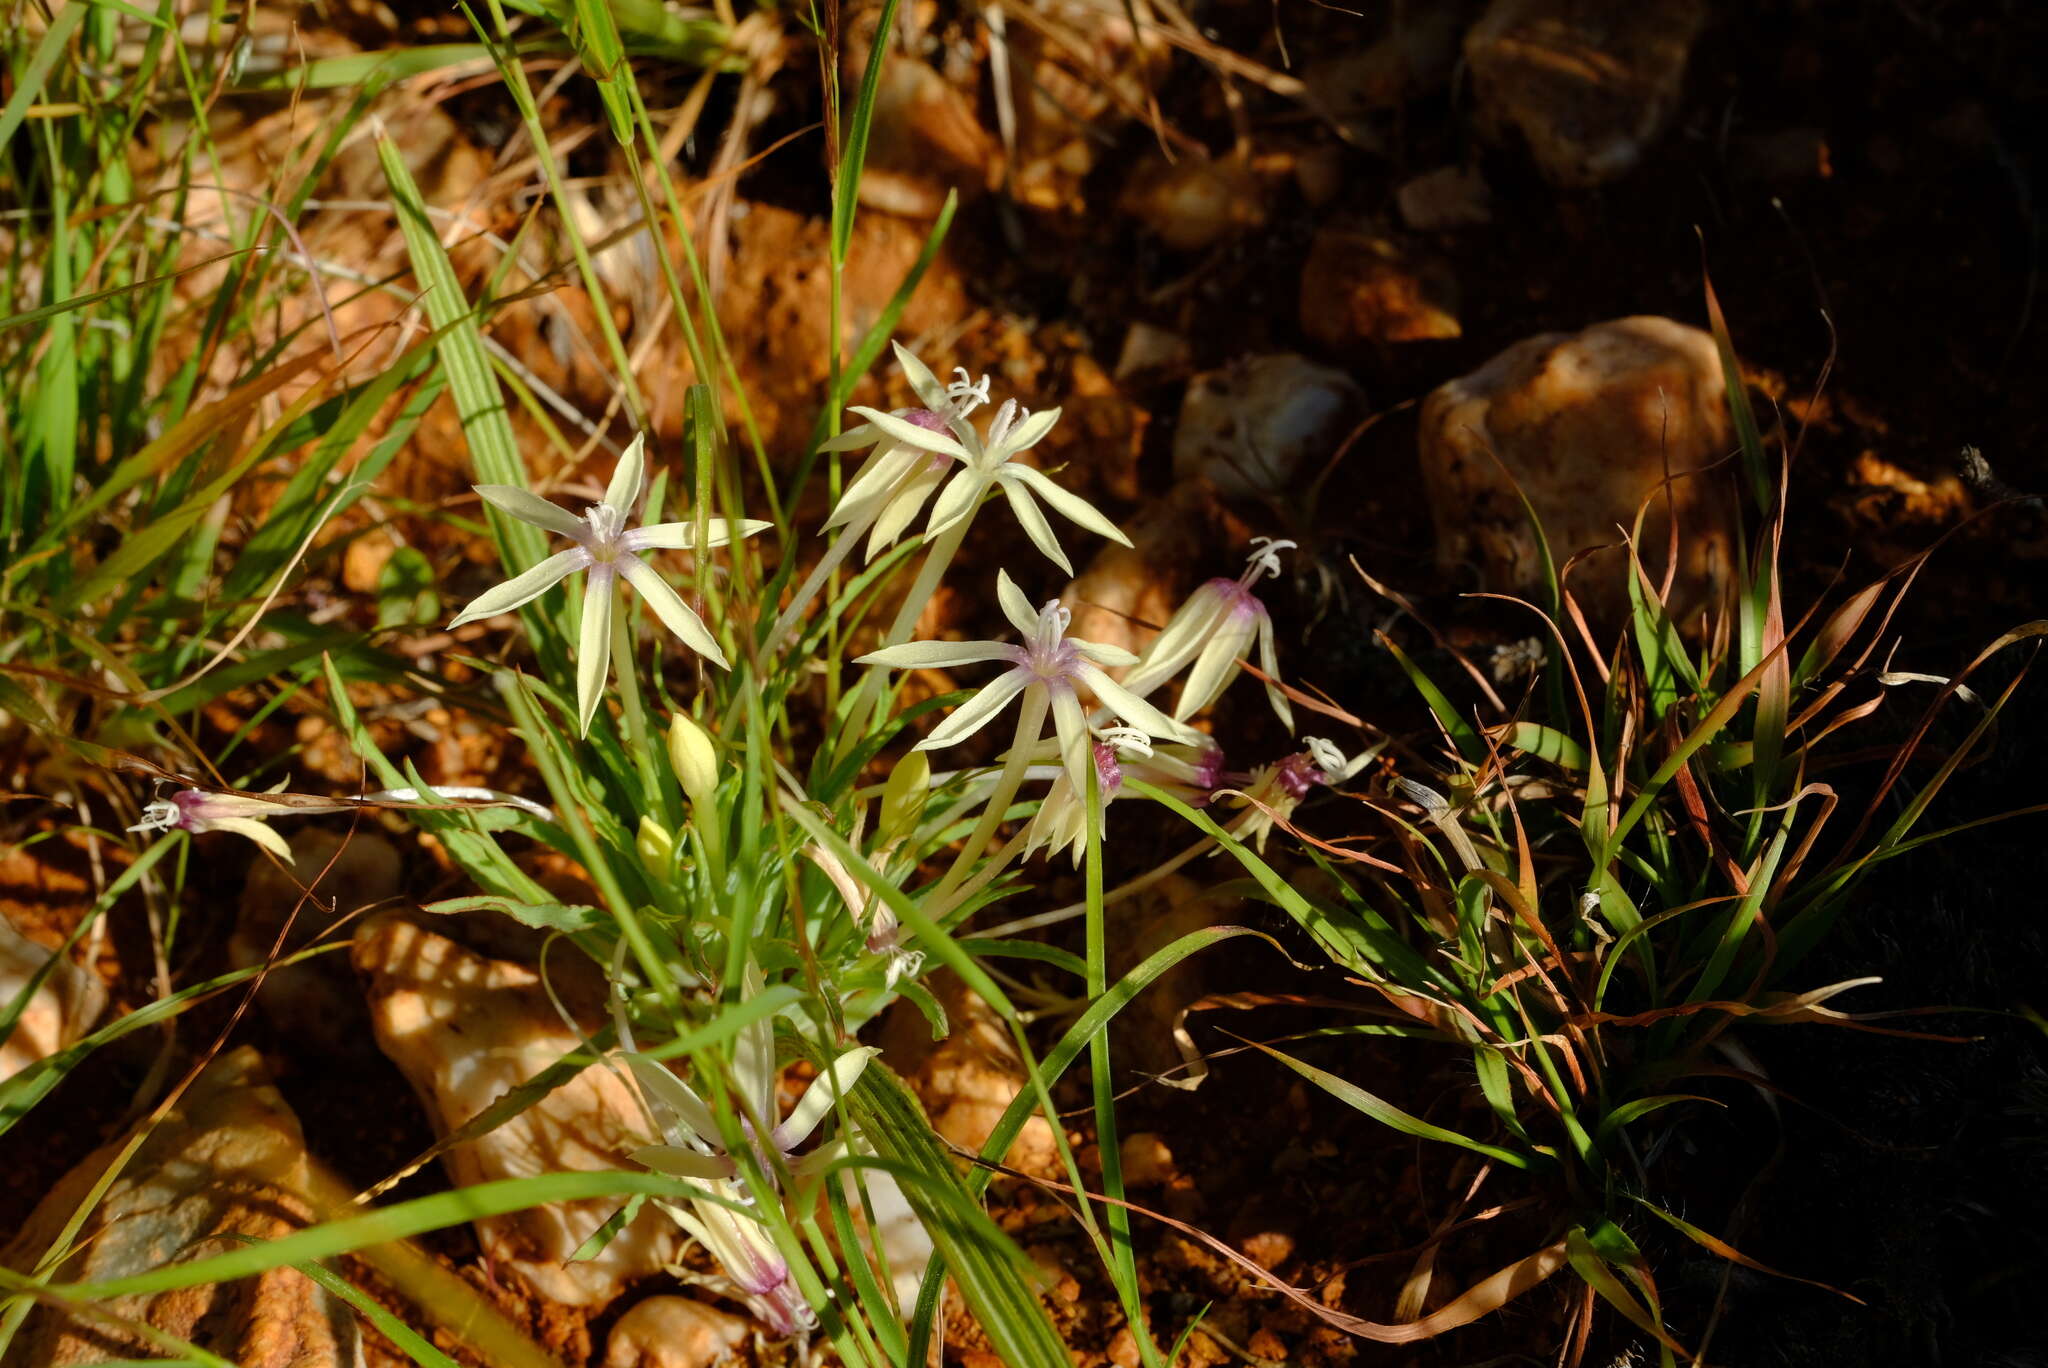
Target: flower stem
936 562
849 537
633 714
1030 724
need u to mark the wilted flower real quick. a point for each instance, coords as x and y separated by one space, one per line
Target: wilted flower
884 930
1060 822
196 811
984 462
1215 629
740 1243
1277 789
1188 772
1049 661
606 549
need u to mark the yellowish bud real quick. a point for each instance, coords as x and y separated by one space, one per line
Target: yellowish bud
904 794
694 759
656 846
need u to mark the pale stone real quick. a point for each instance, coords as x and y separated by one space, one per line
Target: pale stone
1414 58
968 1079
317 1001
1587 85
1445 199
1146 1160
1257 426
926 137
1127 593
1361 286
62 1008
673 1332
464 1030
1195 202
1149 349
226 1165
1148 1031
1587 425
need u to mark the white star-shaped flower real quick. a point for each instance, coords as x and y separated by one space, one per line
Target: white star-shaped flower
924 444
606 550
1048 660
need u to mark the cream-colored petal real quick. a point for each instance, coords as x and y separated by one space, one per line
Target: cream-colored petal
853 438
955 502
678 1097
678 1162
1133 709
871 484
668 605
910 434
1035 526
594 645
1077 747
1068 504
1016 607
256 831
922 382
629 477
1102 653
1030 432
971 716
937 655
1214 668
682 536
818 1098
530 507
1269 661
524 587
1180 642
903 508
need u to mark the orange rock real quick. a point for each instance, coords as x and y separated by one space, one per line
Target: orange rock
673 1332
464 1030
1587 85
1587 425
1361 286
227 1164
968 1079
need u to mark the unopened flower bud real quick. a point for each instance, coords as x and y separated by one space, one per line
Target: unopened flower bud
904 794
694 758
657 847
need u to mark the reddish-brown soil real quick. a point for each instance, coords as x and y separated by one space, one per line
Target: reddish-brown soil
1897 255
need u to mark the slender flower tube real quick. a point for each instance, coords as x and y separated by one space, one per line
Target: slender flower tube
196 811
741 1244
1215 630
606 550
